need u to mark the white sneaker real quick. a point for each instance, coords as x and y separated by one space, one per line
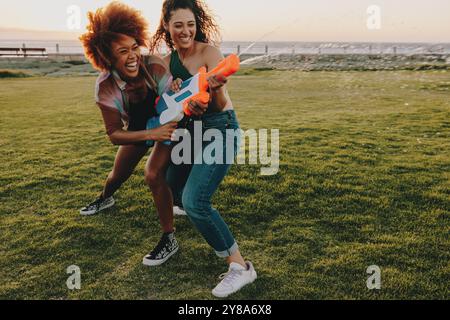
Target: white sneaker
235 279
179 212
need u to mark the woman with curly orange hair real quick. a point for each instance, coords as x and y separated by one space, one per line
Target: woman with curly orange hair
126 91
188 29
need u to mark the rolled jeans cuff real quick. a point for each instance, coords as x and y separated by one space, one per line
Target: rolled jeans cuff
229 252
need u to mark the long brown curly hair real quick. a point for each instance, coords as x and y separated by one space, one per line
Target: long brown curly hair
108 24
207 28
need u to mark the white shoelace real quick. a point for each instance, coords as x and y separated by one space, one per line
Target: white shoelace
229 277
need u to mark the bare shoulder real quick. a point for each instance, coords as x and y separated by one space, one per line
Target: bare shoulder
210 51
212 56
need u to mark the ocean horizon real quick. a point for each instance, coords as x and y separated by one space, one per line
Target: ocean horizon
269 47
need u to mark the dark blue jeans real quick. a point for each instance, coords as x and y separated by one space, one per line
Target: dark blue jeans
193 185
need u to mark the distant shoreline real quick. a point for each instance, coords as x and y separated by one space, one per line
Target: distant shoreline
76 65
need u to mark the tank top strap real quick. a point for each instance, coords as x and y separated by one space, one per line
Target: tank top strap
177 69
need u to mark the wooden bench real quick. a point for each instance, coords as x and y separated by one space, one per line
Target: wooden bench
43 52
9 52
24 52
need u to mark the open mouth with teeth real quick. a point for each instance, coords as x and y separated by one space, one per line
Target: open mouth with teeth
132 66
185 39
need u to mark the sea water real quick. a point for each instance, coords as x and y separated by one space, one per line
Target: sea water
74 47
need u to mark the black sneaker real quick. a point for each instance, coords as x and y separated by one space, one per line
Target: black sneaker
97 206
166 248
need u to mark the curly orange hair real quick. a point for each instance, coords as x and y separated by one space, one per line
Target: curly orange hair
108 24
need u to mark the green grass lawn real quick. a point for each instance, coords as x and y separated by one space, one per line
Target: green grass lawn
364 180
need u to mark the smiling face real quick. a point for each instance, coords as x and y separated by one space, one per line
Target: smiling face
183 28
127 56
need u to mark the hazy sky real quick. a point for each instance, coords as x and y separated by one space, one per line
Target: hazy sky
284 20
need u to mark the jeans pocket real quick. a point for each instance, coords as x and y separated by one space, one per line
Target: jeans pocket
217 123
221 121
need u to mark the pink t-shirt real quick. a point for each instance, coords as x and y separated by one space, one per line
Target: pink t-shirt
112 93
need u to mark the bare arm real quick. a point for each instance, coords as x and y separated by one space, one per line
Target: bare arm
118 136
219 94
122 137
163 133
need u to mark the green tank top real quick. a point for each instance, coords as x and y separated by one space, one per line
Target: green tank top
177 69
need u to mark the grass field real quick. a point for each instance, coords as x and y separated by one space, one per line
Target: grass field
364 180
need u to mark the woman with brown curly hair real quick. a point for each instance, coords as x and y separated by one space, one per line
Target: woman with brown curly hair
126 91
189 31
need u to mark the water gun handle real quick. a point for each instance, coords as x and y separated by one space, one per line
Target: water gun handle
202 96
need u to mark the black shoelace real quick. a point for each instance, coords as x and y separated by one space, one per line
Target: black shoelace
96 204
161 245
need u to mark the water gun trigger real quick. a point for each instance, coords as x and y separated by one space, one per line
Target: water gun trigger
202 97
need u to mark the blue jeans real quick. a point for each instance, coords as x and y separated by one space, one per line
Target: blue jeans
193 185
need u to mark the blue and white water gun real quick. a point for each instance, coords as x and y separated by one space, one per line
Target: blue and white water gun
173 106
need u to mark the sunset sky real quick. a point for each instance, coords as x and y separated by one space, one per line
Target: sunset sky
282 20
